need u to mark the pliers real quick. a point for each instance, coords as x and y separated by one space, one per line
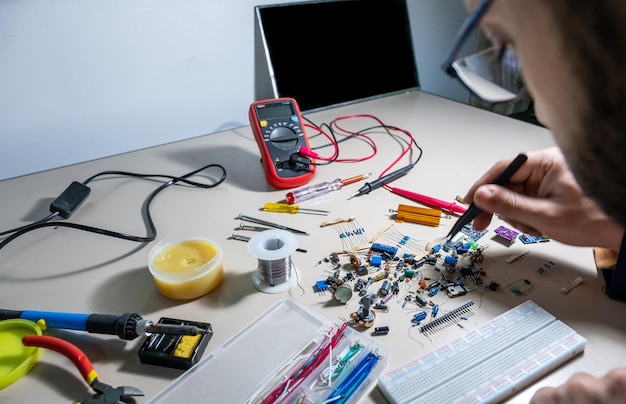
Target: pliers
104 392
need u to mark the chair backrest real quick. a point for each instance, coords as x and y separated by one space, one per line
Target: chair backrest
326 53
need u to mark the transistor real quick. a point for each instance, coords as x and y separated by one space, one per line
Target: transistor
321 286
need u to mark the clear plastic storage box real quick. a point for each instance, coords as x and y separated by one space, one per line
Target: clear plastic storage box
246 368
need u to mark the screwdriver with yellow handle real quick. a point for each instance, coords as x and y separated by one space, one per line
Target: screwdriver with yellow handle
284 208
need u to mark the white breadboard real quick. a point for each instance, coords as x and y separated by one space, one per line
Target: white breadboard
488 364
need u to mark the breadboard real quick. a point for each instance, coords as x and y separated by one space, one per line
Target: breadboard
488 364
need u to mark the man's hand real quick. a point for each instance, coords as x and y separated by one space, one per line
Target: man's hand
543 198
584 388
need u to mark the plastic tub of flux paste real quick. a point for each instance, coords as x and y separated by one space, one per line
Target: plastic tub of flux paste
186 267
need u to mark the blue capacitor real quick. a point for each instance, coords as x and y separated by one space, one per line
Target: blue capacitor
419 317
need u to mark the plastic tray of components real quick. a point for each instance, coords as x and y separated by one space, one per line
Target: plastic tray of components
288 354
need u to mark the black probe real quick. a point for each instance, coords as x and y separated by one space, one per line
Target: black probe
473 211
370 186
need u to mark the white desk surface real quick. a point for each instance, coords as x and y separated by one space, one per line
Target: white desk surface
60 269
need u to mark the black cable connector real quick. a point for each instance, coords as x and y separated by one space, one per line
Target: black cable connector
77 192
70 199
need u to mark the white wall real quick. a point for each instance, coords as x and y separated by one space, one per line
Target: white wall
83 79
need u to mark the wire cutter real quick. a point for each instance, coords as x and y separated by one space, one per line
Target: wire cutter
104 392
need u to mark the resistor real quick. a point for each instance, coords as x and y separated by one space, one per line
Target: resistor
380 275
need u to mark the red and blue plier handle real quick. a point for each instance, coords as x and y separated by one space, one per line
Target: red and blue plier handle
104 392
71 351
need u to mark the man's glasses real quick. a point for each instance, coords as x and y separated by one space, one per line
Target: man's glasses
494 74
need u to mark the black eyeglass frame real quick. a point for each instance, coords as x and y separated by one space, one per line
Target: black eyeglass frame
468 27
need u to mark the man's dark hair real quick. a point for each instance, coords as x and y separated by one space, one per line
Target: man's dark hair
594 35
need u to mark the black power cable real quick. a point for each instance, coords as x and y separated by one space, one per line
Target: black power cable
73 202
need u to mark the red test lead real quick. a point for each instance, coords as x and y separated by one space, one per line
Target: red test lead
450 207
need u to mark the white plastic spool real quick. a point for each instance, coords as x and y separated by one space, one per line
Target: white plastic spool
269 246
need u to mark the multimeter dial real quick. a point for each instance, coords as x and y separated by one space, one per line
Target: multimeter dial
285 138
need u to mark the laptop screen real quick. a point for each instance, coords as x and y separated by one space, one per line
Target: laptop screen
325 53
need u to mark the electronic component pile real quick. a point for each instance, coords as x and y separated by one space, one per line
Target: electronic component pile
415 275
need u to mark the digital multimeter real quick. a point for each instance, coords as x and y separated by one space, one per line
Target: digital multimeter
278 129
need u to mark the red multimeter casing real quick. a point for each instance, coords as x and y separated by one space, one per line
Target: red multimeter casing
278 129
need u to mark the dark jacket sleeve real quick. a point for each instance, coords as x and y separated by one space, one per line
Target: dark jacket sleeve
616 282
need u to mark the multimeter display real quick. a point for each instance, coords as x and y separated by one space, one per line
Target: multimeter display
275 111
279 132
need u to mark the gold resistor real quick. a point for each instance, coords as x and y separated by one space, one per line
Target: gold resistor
380 275
414 214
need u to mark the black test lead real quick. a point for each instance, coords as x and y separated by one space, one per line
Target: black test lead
370 186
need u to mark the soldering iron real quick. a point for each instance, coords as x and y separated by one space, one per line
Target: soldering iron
370 186
128 326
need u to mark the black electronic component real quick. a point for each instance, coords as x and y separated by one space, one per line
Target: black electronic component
73 196
383 330
175 351
362 270
493 286
387 251
421 300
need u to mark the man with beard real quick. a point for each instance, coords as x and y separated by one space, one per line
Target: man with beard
569 56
